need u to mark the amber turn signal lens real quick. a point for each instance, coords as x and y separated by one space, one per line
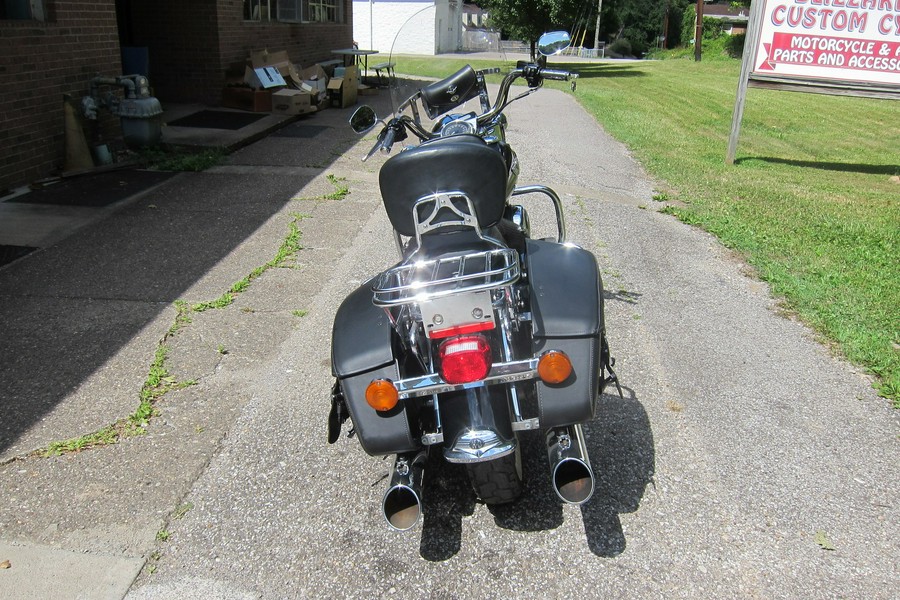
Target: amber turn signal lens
382 395
554 367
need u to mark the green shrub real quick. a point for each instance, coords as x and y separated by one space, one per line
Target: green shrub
687 25
712 28
734 46
621 46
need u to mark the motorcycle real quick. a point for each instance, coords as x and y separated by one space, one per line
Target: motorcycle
479 334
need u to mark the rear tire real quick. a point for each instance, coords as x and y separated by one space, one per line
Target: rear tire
497 481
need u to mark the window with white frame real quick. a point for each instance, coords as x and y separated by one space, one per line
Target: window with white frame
311 11
289 10
22 10
258 10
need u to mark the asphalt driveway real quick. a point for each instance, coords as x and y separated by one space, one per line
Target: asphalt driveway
744 460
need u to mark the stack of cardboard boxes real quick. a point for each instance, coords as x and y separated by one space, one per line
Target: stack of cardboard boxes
272 83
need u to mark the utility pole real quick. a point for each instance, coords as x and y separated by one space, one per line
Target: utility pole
597 29
665 30
698 32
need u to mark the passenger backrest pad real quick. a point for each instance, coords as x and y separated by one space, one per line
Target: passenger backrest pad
461 163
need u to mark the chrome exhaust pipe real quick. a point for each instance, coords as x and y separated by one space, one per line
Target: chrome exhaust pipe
402 503
570 466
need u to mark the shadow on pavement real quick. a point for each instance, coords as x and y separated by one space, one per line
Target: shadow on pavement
72 308
447 498
621 449
623 457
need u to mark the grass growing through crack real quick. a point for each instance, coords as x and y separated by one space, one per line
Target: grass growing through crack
159 381
286 251
341 188
177 159
103 437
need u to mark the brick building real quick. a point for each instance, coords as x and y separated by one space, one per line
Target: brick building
49 48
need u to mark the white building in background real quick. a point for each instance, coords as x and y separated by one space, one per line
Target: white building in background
376 23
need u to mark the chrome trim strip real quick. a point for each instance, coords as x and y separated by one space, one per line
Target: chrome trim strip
506 372
479 445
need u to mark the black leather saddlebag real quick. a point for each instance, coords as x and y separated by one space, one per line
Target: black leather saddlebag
567 313
360 352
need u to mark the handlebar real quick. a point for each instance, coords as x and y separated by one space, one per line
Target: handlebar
534 75
396 129
555 74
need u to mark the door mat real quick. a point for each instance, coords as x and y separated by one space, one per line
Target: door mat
217 119
100 189
10 253
300 131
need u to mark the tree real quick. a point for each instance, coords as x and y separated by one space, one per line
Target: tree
528 19
639 22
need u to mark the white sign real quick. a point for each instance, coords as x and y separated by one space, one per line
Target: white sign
849 47
847 41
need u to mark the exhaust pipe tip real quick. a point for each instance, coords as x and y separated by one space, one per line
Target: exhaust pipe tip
573 480
401 507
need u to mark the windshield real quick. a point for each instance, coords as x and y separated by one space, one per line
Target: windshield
429 42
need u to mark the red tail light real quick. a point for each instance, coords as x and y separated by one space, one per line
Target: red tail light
465 359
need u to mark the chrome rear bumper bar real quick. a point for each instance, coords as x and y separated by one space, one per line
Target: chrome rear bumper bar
506 372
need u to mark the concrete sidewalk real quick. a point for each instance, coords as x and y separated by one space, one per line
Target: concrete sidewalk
87 311
38 216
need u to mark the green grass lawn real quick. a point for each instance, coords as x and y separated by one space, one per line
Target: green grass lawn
812 202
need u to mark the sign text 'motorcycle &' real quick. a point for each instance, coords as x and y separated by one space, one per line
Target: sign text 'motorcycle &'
851 41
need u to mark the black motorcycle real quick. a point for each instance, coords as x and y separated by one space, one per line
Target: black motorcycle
480 333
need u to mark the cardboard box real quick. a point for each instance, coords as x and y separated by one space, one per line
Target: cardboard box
281 61
263 78
342 91
315 78
292 102
247 99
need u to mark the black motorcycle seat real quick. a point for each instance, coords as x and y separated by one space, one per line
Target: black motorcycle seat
434 167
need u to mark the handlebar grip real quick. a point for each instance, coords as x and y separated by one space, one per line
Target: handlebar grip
388 141
555 74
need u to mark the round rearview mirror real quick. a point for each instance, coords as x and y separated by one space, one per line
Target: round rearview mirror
363 119
553 42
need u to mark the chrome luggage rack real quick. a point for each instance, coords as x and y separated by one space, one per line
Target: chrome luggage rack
425 280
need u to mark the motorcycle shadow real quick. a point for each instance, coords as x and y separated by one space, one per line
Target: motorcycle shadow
621 449
623 457
447 498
